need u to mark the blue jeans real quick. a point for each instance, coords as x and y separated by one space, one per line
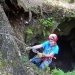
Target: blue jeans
43 64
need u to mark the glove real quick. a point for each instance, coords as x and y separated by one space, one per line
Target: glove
40 54
28 48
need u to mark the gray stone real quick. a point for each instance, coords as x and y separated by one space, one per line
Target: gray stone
10 55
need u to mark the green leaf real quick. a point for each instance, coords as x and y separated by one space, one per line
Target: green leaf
49 18
44 23
70 73
57 72
24 59
44 33
29 31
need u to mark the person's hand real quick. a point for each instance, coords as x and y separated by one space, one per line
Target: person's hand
28 48
40 55
46 55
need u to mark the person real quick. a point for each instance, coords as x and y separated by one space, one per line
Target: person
50 48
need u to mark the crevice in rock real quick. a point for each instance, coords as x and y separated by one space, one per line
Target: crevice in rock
13 6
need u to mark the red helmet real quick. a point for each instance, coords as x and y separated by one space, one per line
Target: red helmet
53 37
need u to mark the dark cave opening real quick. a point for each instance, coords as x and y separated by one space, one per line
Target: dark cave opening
65 59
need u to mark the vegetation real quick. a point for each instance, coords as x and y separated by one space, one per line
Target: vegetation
47 70
29 31
60 72
46 24
68 0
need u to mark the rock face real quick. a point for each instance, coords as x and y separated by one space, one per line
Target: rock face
59 12
10 56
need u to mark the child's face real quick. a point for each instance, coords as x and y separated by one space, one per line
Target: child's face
52 42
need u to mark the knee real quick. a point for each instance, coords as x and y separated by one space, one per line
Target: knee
42 67
31 60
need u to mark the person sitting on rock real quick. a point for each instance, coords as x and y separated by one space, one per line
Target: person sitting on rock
50 48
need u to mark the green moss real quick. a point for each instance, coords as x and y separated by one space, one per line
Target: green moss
2 64
13 63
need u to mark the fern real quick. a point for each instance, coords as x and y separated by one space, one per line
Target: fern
57 72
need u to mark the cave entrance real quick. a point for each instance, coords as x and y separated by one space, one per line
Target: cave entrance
65 59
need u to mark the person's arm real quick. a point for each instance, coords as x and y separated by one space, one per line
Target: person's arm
37 46
34 47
